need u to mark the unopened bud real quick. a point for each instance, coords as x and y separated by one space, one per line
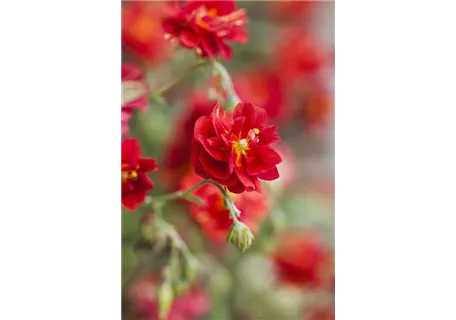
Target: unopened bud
191 266
240 235
231 102
212 94
180 287
165 299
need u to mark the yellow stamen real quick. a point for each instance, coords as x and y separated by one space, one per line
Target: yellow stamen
240 147
202 12
243 143
256 130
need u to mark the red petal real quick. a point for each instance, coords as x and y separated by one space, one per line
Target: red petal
218 169
148 164
189 39
269 175
238 123
239 35
204 127
268 135
130 151
220 120
237 188
208 46
143 184
215 147
129 202
261 159
171 26
194 159
226 52
231 181
244 178
223 7
261 117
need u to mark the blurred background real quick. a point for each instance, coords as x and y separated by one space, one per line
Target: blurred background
287 67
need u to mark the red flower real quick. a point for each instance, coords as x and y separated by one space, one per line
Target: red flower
141 31
321 312
288 169
234 149
319 108
205 26
134 93
300 55
125 117
263 88
301 259
191 305
135 182
177 153
134 88
292 11
214 218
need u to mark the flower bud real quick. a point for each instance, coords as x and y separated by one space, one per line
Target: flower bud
165 299
179 287
191 266
231 102
240 235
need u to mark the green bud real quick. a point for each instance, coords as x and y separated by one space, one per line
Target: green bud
240 235
179 287
165 299
231 102
191 266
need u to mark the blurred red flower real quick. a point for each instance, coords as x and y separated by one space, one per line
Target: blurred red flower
288 168
263 87
125 117
191 305
135 182
178 148
291 11
233 149
134 93
141 31
204 26
302 260
299 55
214 218
318 108
321 312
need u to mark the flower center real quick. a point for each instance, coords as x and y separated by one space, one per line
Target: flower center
128 173
242 145
203 13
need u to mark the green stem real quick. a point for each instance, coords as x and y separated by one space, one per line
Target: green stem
178 79
226 82
234 212
178 194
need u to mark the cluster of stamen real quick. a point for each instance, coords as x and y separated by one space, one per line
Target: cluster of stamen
129 173
242 145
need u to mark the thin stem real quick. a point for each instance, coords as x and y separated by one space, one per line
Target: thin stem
178 79
226 81
178 194
234 212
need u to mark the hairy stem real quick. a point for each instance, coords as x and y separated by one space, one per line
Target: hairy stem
226 81
177 79
178 194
